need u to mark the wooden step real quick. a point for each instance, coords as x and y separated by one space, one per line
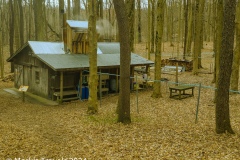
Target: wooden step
71 99
65 93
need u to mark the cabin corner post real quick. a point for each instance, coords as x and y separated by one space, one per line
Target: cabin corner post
132 77
61 87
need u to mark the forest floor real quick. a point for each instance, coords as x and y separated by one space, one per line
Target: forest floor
161 128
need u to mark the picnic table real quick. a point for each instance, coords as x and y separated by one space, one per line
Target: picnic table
179 92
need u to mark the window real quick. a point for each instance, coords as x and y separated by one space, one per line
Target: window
37 77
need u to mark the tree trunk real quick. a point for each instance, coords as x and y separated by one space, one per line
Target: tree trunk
131 13
159 34
139 25
197 37
60 22
149 30
30 21
16 25
1 43
201 16
11 32
125 59
222 100
186 27
39 19
190 27
93 78
219 30
179 28
100 9
69 13
76 9
153 27
21 23
236 57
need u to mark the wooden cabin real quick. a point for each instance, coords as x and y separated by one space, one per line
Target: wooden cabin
59 70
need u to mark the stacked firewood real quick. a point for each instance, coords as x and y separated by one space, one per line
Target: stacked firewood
8 78
173 62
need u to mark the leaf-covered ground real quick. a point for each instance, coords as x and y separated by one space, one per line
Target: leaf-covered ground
161 128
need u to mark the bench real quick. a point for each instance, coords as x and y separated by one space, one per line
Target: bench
180 91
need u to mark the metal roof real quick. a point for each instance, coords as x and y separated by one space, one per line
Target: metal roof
79 61
50 47
52 54
109 47
81 25
46 47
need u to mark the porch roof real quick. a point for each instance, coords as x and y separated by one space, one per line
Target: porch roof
81 61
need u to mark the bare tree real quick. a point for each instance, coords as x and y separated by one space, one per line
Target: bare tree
222 100
236 57
1 42
139 24
76 9
218 41
61 11
39 20
21 22
186 4
197 36
159 34
153 26
125 58
92 33
11 31
131 13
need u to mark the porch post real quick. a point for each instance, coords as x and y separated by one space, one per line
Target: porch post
80 85
117 81
132 78
61 87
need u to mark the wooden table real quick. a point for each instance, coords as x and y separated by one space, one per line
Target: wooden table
180 91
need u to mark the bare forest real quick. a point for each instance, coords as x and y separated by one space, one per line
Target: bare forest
146 123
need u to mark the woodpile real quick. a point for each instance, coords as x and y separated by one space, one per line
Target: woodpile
8 78
188 64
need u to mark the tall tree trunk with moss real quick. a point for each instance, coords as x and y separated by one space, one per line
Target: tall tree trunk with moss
125 59
131 14
222 100
218 41
179 27
60 22
69 11
93 78
100 9
149 30
21 23
159 34
11 31
1 42
190 27
236 57
197 37
139 23
153 27
30 8
76 9
201 16
186 4
39 19
16 25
